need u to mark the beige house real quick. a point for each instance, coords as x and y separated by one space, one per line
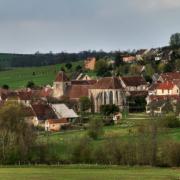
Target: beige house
55 125
134 83
90 63
167 88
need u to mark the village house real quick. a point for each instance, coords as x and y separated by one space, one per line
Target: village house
164 91
134 83
167 88
129 59
42 113
55 125
89 63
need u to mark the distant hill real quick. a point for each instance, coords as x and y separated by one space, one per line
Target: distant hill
8 60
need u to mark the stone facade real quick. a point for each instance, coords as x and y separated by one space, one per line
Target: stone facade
107 96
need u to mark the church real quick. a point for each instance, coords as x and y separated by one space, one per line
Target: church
107 90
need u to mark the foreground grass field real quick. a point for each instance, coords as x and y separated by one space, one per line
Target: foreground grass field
18 77
89 173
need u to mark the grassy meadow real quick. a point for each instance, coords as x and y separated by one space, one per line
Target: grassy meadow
82 172
18 77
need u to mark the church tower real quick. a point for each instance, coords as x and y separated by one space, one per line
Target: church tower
60 85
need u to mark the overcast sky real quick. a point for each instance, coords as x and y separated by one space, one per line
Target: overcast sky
27 26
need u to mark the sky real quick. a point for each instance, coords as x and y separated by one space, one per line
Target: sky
27 26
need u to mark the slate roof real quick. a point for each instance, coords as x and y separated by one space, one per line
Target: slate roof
63 111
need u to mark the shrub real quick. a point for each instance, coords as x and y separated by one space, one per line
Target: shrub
81 150
171 121
95 128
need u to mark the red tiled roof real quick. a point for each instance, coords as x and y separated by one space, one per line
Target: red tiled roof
170 76
25 95
77 91
108 83
134 81
61 77
43 111
83 82
166 85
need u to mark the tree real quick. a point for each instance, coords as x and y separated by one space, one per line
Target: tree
149 70
85 103
169 67
118 59
135 69
78 67
109 109
175 40
16 135
30 84
102 68
62 69
68 66
95 128
5 86
161 67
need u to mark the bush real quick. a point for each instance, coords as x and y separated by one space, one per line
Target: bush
95 128
171 121
81 150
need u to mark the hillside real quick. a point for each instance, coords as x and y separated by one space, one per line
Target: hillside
18 77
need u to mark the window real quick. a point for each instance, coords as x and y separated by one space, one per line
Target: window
117 98
111 97
105 96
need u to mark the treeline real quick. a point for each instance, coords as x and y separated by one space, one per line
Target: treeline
38 59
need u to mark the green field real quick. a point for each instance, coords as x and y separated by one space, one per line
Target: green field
18 77
89 173
61 142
